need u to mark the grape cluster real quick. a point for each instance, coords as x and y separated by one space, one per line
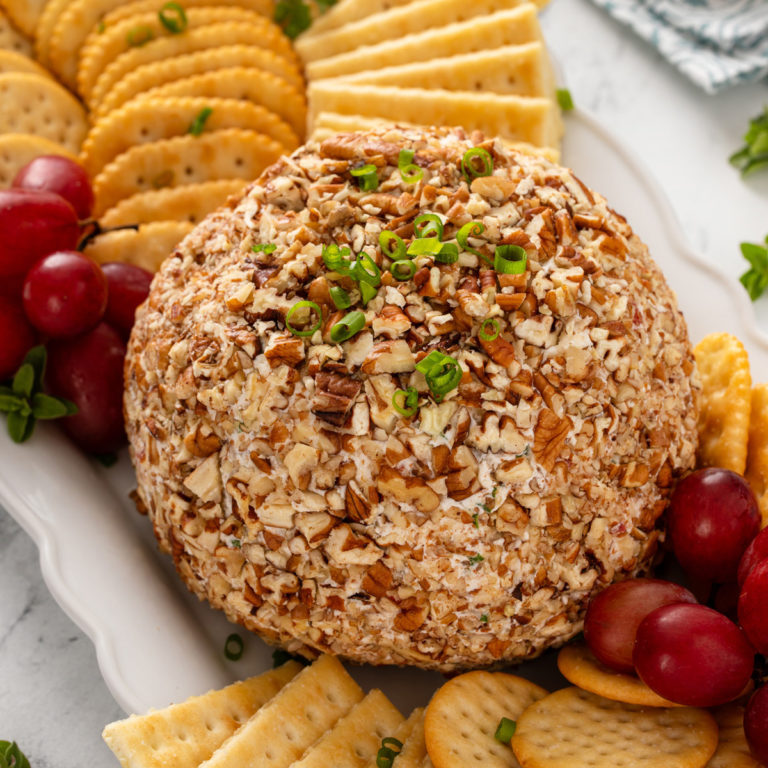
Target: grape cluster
51 293
687 652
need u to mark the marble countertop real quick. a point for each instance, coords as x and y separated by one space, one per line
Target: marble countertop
52 697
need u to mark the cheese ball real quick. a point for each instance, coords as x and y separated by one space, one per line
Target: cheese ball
441 473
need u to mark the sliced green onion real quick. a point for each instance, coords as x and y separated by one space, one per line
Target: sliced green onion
297 307
386 755
334 259
510 259
347 327
367 177
139 36
392 246
475 559
471 229
410 173
173 18
424 246
505 731
428 225
366 270
410 402
444 377
294 16
233 647
435 357
403 270
564 99
469 164
340 297
448 253
198 124
367 292
494 334
264 248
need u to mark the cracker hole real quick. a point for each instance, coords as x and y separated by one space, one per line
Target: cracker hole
331 697
268 754
360 753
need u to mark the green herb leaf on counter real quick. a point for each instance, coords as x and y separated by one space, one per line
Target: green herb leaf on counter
564 99
25 404
293 16
754 154
198 124
11 756
755 279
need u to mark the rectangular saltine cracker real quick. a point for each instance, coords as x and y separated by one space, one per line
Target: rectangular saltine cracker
153 740
508 27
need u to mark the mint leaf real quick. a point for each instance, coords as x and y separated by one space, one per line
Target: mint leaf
24 380
48 407
37 358
755 279
20 426
10 402
754 154
11 756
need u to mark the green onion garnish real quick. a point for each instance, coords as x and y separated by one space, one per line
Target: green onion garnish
139 36
367 177
173 18
410 173
410 402
510 259
294 16
340 297
435 357
347 327
448 253
564 99
505 731
428 225
386 755
300 306
441 371
367 292
424 246
392 246
198 124
403 270
334 259
475 559
494 333
366 270
475 163
484 618
471 229
264 248
233 647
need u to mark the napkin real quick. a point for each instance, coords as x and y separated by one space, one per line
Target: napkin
716 43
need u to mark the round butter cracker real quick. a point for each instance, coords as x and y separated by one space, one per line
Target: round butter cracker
17 149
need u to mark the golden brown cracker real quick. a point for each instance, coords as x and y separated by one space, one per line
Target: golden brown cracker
757 450
25 14
146 119
37 104
263 33
355 739
10 61
572 728
148 247
184 735
725 402
158 73
190 202
347 11
45 25
282 730
732 749
580 667
11 39
247 84
227 154
463 715
102 47
414 750
17 149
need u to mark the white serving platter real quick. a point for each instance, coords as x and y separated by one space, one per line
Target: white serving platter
155 642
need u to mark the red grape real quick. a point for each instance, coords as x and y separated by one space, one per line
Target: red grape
128 287
692 655
614 615
17 338
754 553
713 516
64 294
756 724
61 175
88 370
753 607
34 223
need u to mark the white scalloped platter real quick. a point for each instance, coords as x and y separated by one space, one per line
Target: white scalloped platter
155 642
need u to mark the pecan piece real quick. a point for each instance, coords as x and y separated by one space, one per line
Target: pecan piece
549 437
334 397
357 508
410 490
377 580
284 349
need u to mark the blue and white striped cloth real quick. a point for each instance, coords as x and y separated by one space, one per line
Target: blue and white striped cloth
716 43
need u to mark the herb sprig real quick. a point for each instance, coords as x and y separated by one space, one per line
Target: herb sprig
754 154
295 16
25 403
11 756
755 279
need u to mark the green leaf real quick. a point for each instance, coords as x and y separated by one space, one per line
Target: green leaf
755 279
10 403
753 156
47 407
24 380
755 254
293 16
37 358
11 756
564 99
20 426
